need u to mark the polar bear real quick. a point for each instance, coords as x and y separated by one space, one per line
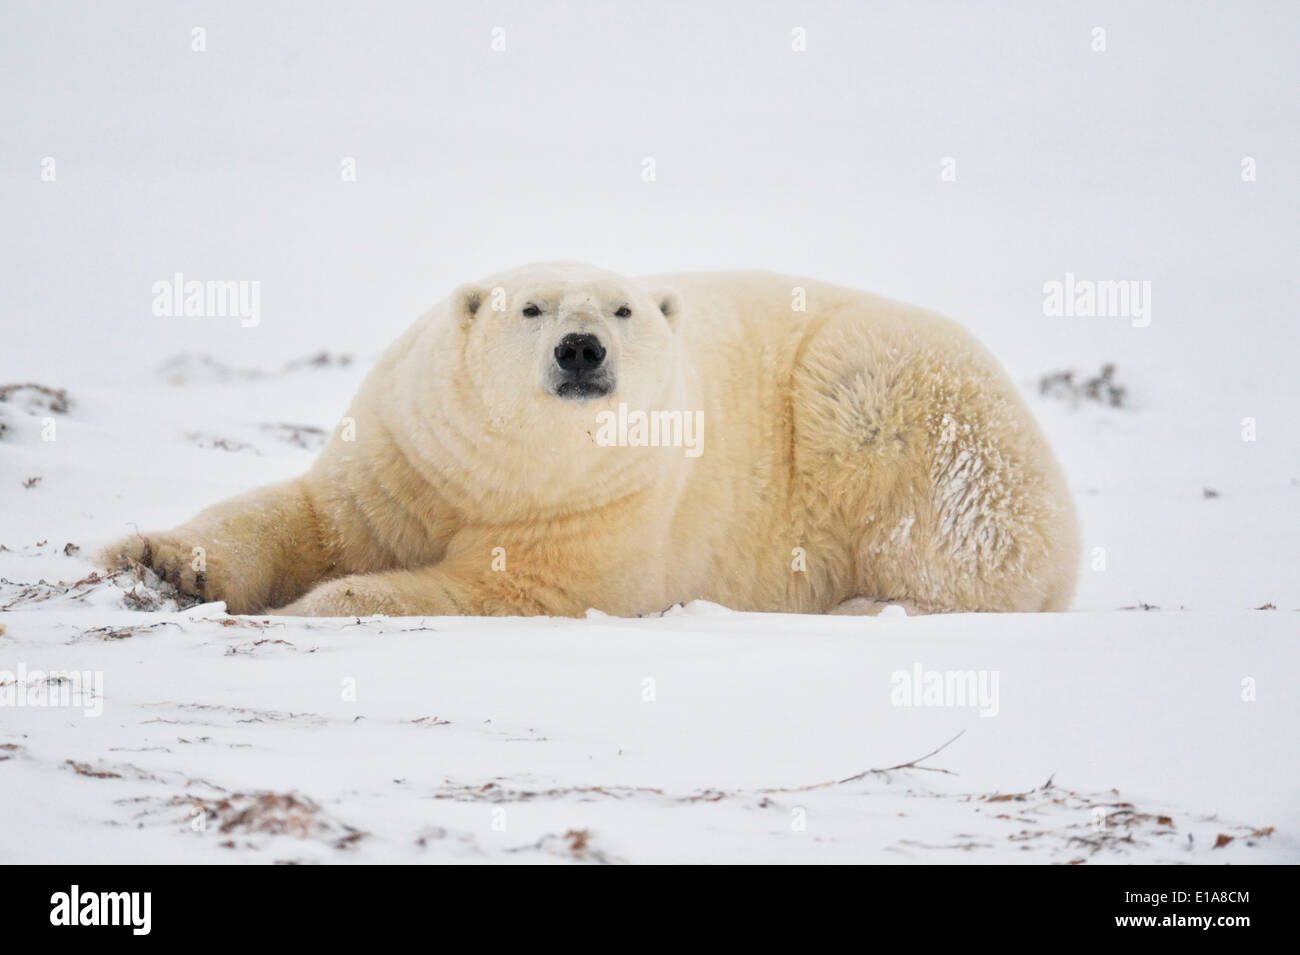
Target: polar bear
558 437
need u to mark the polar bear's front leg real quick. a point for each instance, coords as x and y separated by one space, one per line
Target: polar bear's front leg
399 593
253 551
438 590
871 607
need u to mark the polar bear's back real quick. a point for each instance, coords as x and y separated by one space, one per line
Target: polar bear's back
746 307
747 333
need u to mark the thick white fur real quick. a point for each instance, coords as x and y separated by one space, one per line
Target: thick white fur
856 449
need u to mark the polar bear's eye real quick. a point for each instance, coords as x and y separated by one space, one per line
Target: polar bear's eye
531 311
624 312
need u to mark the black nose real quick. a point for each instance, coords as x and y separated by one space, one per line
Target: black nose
579 353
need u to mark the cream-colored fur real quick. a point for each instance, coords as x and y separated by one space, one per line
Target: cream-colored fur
858 448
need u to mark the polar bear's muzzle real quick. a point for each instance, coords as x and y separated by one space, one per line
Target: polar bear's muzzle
579 370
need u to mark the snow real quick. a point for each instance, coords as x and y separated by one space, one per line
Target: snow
684 738
702 734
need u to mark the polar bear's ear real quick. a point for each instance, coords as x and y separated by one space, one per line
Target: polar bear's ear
466 302
669 302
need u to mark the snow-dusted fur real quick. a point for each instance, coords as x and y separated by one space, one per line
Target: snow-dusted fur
854 452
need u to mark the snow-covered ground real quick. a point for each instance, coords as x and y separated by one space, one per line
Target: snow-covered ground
1159 721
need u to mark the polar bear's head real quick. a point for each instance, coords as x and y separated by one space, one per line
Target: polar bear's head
572 335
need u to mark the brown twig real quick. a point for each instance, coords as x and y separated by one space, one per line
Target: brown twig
912 764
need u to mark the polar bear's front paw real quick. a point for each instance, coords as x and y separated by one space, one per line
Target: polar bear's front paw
184 568
359 595
187 565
